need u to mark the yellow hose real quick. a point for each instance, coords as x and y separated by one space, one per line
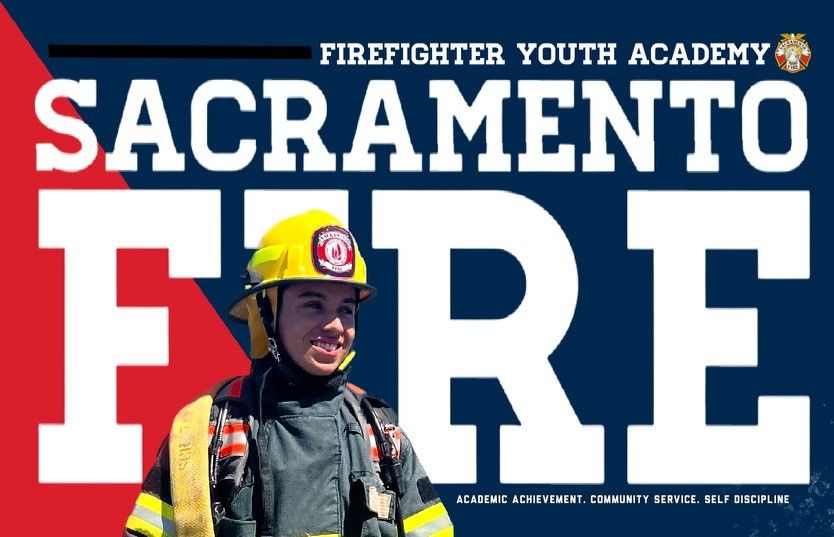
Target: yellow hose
189 452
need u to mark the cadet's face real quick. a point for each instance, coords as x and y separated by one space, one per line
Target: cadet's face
318 325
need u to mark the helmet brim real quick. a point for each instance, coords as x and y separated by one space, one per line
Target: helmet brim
238 311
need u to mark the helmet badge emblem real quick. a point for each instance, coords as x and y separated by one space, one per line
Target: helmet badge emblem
333 251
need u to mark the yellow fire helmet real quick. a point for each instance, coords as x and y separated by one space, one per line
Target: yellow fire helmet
312 246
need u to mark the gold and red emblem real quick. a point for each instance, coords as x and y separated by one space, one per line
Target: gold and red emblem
793 54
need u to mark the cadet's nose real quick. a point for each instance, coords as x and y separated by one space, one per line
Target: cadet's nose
334 325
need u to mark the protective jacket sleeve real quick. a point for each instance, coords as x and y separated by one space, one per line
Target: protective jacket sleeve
422 512
152 515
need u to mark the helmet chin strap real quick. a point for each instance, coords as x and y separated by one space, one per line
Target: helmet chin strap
288 368
268 319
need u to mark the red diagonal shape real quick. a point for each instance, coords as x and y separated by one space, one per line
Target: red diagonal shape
201 348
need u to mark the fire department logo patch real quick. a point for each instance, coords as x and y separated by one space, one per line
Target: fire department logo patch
793 53
333 251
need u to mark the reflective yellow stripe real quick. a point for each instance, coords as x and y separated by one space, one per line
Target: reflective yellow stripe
440 526
151 516
156 505
423 517
145 528
448 531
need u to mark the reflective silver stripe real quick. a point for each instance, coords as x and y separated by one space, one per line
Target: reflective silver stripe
155 519
427 530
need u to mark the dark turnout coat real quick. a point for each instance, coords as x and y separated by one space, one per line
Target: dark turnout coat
295 457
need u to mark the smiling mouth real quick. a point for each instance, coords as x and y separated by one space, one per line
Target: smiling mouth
325 345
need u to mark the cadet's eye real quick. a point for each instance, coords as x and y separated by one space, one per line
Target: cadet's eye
313 305
346 310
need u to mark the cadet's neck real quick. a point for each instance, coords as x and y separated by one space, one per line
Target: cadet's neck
287 381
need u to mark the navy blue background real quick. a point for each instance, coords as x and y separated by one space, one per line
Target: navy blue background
605 361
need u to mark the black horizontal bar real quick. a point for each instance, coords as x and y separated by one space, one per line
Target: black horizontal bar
202 52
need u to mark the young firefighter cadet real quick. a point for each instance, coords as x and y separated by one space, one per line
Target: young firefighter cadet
292 449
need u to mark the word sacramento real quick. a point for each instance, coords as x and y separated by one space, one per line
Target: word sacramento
544 150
